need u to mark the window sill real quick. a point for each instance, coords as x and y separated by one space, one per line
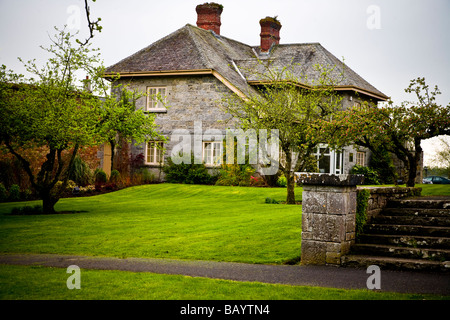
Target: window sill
156 111
153 165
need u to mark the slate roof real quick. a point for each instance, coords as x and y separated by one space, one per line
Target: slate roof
192 48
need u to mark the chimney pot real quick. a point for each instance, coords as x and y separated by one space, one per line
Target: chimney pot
270 33
208 16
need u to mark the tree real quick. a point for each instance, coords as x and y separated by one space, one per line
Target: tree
284 103
121 119
442 157
52 113
398 129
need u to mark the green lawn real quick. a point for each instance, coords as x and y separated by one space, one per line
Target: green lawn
42 283
164 221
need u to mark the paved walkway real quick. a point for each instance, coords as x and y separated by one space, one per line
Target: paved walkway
321 276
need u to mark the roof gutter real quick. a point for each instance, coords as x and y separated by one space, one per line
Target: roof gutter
378 96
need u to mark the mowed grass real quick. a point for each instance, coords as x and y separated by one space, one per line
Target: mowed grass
163 221
43 283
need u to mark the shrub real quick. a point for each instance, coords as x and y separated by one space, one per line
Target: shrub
235 175
270 200
14 192
27 210
100 176
282 181
110 186
115 176
370 175
3 193
257 182
26 194
81 172
382 163
187 173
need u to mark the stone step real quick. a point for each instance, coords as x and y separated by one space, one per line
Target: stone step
401 252
438 221
417 212
423 203
404 229
363 261
406 240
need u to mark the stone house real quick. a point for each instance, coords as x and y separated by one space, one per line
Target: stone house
193 67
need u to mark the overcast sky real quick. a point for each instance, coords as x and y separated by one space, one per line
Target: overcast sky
387 42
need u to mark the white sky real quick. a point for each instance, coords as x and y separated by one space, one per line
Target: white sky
387 42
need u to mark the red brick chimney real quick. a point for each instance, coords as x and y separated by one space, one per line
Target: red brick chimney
208 16
270 33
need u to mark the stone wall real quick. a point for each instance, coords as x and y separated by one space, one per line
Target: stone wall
379 196
190 99
329 213
328 217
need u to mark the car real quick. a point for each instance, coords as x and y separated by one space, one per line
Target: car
436 180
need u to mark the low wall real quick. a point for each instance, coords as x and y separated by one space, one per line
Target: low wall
379 197
330 217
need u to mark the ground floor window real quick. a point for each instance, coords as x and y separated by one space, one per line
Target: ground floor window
212 153
329 161
361 158
154 152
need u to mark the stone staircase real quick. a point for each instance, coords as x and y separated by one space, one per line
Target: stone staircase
407 234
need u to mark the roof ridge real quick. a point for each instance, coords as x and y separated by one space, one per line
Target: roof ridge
203 57
154 44
329 55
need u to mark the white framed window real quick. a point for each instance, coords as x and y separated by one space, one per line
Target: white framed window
329 161
156 99
154 152
361 158
212 153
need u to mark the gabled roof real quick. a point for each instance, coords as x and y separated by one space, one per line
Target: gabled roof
192 50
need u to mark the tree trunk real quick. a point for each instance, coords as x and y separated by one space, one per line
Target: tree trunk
290 188
48 202
413 163
113 146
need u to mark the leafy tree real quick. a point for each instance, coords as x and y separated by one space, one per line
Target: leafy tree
52 113
120 118
285 104
398 129
442 157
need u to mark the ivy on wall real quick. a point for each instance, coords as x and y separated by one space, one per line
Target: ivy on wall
362 203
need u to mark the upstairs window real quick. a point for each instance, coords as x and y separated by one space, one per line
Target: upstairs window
156 99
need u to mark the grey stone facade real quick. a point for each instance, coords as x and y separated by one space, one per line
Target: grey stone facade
199 98
190 99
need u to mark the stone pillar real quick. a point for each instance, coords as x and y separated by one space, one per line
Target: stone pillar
328 218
